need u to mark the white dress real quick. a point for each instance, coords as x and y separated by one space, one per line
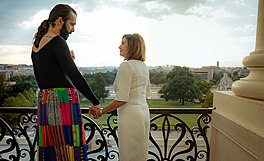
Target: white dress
132 85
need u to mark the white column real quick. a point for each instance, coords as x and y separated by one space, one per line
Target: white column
253 85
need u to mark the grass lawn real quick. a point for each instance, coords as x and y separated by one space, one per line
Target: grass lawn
152 104
190 119
170 104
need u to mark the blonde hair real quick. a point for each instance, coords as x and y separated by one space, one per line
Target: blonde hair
136 47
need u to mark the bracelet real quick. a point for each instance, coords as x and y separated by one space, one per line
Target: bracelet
100 112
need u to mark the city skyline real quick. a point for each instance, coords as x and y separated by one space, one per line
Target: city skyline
186 33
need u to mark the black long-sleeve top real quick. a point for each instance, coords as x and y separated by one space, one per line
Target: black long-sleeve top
54 68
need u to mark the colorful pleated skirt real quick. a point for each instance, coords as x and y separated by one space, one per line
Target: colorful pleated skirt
61 135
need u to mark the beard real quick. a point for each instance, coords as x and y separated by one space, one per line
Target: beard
63 32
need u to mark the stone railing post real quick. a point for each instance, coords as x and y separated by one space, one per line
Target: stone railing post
253 85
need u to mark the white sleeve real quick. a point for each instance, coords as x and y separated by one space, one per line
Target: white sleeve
123 82
148 90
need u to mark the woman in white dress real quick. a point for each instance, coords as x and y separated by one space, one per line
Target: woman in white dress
132 87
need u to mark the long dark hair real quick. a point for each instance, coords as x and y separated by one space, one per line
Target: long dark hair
60 10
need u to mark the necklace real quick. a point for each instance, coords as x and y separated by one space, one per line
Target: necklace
48 36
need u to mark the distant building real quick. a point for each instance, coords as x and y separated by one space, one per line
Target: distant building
206 73
225 83
93 70
111 92
241 72
7 75
15 70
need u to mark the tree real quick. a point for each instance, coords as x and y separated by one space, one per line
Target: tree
10 118
203 86
180 86
157 77
19 101
31 97
217 77
3 90
23 83
11 102
21 86
109 77
11 96
179 71
98 84
208 101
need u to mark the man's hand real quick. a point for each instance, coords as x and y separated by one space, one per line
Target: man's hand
72 55
94 110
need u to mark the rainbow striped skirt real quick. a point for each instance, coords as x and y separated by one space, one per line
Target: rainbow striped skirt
60 133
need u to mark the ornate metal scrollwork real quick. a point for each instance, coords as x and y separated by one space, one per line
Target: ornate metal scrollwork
23 133
179 142
26 130
98 139
8 138
171 137
202 122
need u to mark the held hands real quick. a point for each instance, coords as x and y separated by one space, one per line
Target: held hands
96 111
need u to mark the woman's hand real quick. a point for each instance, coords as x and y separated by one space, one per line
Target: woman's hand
96 111
99 113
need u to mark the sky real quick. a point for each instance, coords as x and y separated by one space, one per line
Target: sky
192 33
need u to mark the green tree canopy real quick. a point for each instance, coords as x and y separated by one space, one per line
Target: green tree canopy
3 90
179 71
181 88
109 77
18 101
23 83
217 77
180 85
11 102
157 76
31 97
98 84
208 102
203 86
11 96
23 101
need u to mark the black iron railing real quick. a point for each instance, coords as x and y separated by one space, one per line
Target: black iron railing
176 134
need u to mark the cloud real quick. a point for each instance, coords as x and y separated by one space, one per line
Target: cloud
35 20
160 8
240 3
155 9
15 54
183 32
247 27
91 5
221 13
211 12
